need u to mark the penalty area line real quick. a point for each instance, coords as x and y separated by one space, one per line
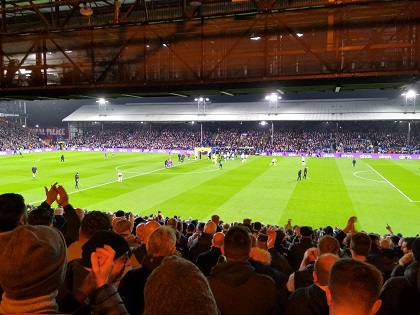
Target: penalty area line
390 183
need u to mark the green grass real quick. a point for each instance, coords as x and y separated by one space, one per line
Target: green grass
376 191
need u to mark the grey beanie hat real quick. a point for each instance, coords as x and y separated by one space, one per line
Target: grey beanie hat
32 261
177 286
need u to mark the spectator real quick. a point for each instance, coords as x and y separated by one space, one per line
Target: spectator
123 227
297 250
69 296
207 260
203 242
92 222
31 284
161 243
41 216
389 257
216 219
12 212
304 276
181 241
312 300
353 288
237 288
406 259
178 287
400 295
141 251
71 227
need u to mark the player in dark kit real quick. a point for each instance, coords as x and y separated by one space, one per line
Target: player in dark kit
305 172
299 175
34 170
354 162
62 158
76 180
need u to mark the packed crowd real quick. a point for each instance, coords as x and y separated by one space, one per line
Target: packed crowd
58 259
13 137
117 136
368 137
288 138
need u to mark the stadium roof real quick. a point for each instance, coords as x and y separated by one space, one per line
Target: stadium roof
284 110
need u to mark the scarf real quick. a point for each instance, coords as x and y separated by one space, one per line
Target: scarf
40 304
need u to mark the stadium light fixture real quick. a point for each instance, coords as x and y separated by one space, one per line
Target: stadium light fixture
201 104
102 106
273 102
272 97
101 101
410 101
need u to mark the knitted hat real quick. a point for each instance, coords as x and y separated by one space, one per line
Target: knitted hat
416 249
99 239
177 286
32 261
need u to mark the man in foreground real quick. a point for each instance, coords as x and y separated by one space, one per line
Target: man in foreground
353 288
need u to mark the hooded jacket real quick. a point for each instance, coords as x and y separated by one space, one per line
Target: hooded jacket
238 289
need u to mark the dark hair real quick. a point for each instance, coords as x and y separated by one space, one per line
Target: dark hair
328 230
395 239
237 244
41 216
328 244
119 213
279 240
12 207
409 241
360 244
257 226
95 221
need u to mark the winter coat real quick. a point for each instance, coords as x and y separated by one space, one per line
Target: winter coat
238 289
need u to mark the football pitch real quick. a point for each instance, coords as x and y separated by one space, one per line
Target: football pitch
377 191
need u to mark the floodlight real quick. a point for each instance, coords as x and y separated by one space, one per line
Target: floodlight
410 93
272 97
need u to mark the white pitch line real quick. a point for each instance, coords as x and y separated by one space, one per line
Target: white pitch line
390 183
373 180
107 183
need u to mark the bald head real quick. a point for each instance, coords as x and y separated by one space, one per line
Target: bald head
149 227
172 222
217 240
140 230
210 228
